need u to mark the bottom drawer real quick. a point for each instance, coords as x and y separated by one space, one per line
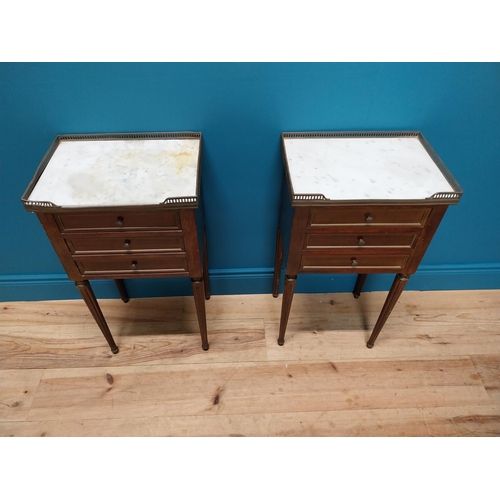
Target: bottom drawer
351 263
132 264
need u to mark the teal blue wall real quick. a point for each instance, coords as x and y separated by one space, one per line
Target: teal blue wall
241 109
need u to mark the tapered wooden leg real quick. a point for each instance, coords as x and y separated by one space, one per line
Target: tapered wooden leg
123 291
88 296
278 259
288 289
205 267
395 292
359 285
199 300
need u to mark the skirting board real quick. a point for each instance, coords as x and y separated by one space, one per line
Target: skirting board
248 281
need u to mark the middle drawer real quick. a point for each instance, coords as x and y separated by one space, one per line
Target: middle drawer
319 241
126 242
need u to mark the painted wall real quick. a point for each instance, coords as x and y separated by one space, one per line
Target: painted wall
241 109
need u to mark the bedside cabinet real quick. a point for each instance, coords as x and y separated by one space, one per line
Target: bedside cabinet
358 202
122 206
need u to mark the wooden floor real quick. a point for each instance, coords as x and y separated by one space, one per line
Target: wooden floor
434 371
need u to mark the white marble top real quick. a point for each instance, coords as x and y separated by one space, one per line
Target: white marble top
362 168
88 173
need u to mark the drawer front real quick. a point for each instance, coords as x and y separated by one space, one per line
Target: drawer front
124 243
313 263
118 220
369 216
109 264
360 240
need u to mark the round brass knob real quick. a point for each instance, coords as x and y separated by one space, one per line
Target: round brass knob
119 221
368 218
134 265
361 241
126 245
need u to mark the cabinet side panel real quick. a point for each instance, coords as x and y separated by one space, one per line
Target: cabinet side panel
190 233
426 235
297 237
51 228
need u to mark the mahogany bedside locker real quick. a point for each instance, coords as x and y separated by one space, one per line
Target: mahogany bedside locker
121 206
358 202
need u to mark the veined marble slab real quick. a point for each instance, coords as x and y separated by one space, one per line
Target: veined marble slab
396 168
103 173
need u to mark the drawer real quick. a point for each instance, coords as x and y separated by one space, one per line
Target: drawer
115 220
124 242
353 263
360 240
137 264
368 216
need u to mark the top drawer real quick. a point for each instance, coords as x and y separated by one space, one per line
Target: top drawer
114 220
368 216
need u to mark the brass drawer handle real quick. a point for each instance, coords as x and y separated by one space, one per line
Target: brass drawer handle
361 241
134 265
126 245
368 218
119 221
354 262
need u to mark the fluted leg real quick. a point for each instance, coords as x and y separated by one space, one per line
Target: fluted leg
278 259
123 291
88 296
359 285
199 300
395 292
288 290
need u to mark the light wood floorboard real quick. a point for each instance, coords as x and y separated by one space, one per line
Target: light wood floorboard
434 371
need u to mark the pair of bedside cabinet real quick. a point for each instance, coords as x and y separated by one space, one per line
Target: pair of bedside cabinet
121 206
